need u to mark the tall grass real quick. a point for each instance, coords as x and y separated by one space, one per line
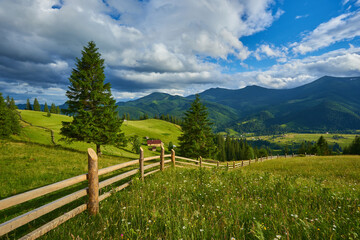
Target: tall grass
271 200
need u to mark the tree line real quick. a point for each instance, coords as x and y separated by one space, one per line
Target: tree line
36 107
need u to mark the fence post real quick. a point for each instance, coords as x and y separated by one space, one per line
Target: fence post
249 161
173 157
162 158
234 164
292 154
242 163
278 156
93 179
217 164
200 161
285 155
141 164
227 166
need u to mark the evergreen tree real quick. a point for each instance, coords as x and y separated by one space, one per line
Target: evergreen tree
12 105
322 147
95 119
9 121
28 105
196 138
36 105
53 108
58 111
354 147
46 108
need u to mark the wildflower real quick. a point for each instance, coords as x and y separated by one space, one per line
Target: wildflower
149 221
124 207
318 229
129 223
184 227
201 230
232 238
122 235
278 236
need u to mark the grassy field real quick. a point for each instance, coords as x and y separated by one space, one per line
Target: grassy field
157 129
290 138
300 198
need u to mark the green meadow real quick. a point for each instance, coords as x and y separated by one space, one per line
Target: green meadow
152 128
297 138
300 198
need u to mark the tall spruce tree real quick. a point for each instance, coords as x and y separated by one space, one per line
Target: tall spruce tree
95 119
28 105
36 105
46 108
53 108
58 111
197 138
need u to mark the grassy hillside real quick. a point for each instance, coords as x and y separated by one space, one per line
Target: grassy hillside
165 131
297 138
300 198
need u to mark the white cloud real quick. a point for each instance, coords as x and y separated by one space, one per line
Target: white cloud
296 72
344 27
270 51
302 16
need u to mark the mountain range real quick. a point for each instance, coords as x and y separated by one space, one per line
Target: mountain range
326 104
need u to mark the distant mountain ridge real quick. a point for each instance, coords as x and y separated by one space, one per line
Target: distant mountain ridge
326 104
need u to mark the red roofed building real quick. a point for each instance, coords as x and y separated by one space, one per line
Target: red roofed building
155 143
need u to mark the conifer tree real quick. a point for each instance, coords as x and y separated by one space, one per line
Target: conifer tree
36 105
9 121
58 111
46 108
95 119
28 105
197 138
53 108
12 105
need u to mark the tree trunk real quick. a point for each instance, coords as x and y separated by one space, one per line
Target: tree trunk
98 150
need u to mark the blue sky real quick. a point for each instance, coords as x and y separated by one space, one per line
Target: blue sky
177 47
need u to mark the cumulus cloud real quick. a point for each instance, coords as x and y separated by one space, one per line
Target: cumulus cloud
144 43
296 72
270 51
340 28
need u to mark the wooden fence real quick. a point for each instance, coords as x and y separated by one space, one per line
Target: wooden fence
92 191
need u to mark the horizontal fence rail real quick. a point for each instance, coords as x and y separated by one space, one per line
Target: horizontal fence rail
94 186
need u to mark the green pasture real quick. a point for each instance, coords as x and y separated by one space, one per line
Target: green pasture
291 138
152 128
300 198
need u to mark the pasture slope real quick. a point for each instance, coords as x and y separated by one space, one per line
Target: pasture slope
151 128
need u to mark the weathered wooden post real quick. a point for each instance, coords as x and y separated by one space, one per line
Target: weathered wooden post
292 154
249 161
285 155
200 161
234 164
162 158
278 156
93 179
242 163
261 159
141 164
217 164
267 157
256 159
173 157
227 166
